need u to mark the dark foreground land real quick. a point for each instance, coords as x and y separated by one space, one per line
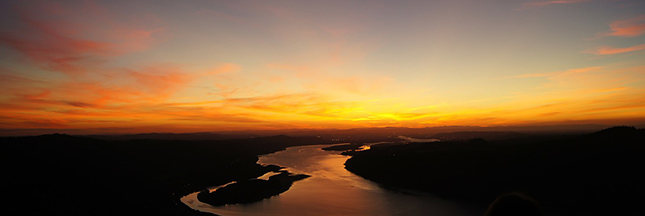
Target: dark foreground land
594 174
70 175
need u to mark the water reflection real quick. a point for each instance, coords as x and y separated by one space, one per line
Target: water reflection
331 190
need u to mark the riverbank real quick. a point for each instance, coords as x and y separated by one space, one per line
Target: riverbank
593 174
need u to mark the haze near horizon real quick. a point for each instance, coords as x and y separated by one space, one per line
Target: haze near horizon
193 66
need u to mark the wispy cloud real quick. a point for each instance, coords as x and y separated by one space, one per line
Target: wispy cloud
629 27
607 50
552 75
545 3
51 40
581 94
314 79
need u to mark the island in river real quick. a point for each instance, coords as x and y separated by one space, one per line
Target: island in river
252 190
344 147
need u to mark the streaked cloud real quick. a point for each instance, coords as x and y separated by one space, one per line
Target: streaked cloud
552 75
607 50
545 3
629 27
49 38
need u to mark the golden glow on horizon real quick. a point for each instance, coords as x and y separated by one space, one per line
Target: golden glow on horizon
100 68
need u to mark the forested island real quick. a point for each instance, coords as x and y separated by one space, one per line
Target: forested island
344 147
593 174
251 190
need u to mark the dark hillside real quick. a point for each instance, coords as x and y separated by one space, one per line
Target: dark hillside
594 174
69 175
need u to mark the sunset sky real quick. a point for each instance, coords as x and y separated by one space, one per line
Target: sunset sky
193 66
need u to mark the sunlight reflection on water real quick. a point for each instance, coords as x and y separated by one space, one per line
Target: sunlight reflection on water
331 190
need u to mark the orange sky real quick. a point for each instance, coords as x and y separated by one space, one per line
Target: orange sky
124 67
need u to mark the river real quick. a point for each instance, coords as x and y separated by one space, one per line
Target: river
331 190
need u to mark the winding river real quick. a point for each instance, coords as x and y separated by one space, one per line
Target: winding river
331 190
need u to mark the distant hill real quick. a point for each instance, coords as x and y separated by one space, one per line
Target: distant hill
487 135
354 133
171 136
